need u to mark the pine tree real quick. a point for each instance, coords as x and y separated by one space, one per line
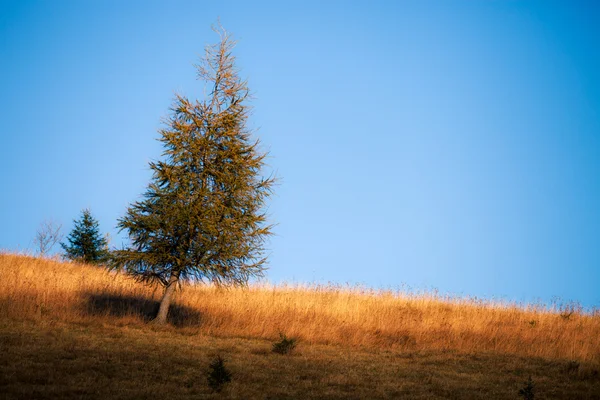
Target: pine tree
85 244
202 216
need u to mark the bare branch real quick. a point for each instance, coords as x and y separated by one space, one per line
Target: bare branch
47 235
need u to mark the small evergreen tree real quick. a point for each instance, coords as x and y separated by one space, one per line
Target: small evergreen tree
85 244
202 216
218 374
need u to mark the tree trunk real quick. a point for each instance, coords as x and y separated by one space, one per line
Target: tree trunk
163 310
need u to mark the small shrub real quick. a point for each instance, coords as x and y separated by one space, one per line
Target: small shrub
566 315
572 367
568 310
528 391
533 323
218 374
285 345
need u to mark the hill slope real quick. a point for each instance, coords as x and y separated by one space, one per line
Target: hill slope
71 331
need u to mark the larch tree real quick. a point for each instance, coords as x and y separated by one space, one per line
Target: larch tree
203 216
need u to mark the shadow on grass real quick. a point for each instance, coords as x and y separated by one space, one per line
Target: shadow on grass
146 309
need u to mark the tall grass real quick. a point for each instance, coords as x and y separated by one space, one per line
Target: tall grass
33 288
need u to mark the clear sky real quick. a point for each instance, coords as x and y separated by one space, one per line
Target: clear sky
452 145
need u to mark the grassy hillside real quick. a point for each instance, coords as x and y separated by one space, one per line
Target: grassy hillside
72 331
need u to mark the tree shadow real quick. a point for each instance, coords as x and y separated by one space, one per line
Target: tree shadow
144 308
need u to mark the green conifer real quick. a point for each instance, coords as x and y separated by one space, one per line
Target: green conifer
202 216
85 244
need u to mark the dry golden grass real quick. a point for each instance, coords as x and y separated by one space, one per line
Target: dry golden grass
76 331
50 359
40 289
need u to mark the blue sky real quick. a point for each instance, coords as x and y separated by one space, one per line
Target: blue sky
452 145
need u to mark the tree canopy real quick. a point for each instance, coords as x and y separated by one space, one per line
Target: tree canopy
203 214
85 243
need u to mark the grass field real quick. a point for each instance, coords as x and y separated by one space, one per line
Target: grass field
76 331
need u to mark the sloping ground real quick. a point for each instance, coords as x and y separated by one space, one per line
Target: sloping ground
74 331
50 360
